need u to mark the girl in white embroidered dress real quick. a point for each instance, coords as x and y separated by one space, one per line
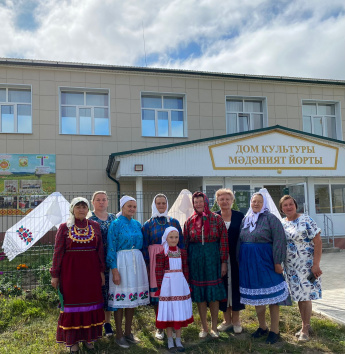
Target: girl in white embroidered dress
175 304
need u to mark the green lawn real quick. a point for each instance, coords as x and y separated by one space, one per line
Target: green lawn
28 324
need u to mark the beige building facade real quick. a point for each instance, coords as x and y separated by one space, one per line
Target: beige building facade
89 115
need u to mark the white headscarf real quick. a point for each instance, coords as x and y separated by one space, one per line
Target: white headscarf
164 238
123 201
74 202
155 212
251 218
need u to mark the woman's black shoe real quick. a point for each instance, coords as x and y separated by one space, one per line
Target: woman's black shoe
272 338
260 332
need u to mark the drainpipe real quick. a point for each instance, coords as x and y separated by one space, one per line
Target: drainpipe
117 183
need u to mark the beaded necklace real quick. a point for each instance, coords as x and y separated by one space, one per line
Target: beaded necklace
160 223
81 234
174 254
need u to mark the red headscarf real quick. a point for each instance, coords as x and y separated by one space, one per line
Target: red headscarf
202 219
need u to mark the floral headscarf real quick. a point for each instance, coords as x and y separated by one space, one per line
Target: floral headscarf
201 219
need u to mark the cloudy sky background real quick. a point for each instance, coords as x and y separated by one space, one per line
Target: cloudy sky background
299 38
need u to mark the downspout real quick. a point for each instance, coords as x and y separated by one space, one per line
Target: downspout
114 180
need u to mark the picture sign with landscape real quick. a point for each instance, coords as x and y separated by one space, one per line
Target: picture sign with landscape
25 181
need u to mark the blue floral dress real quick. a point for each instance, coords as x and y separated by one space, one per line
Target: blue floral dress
299 258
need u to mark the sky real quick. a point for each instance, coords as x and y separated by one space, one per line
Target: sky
296 38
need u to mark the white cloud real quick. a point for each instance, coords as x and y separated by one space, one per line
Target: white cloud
268 37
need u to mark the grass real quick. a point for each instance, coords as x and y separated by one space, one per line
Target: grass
28 325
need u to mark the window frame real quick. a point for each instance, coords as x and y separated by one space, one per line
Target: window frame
83 90
337 116
7 87
264 113
168 110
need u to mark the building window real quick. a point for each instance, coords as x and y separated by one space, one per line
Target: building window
163 115
320 118
15 109
84 112
322 201
338 198
211 194
243 114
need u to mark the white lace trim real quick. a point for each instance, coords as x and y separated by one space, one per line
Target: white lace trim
264 291
269 301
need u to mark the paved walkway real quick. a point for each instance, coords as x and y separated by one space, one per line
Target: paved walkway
333 287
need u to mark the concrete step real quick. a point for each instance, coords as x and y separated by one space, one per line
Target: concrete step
331 250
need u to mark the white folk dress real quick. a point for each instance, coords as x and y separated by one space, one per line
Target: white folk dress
299 258
175 303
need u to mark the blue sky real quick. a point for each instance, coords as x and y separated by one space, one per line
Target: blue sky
299 38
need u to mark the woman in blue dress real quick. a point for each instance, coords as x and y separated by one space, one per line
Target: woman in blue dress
128 282
104 219
262 251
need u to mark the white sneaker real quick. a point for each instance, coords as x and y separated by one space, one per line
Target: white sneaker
238 329
223 327
159 334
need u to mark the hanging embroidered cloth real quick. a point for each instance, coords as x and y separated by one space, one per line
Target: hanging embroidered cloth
53 211
182 209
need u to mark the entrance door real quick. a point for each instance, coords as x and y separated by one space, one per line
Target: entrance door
276 192
299 192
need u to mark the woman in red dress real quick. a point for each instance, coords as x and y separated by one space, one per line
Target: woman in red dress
78 273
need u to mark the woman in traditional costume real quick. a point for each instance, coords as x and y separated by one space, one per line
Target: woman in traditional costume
175 304
232 219
128 282
104 219
153 230
78 272
206 241
262 251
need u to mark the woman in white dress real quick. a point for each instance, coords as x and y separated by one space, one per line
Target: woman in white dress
302 263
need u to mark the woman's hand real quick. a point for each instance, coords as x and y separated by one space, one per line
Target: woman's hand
316 270
278 268
103 278
55 282
224 269
116 276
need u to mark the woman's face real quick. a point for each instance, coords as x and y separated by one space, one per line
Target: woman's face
129 209
100 202
289 207
225 201
173 238
161 204
199 204
80 211
257 202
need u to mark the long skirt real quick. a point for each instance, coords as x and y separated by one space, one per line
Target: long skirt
175 304
82 315
153 251
133 290
259 283
205 272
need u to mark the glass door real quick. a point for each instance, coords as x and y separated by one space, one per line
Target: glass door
299 192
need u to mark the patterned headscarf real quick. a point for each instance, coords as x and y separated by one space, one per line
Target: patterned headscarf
251 218
202 219
123 201
164 238
74 202
155 212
